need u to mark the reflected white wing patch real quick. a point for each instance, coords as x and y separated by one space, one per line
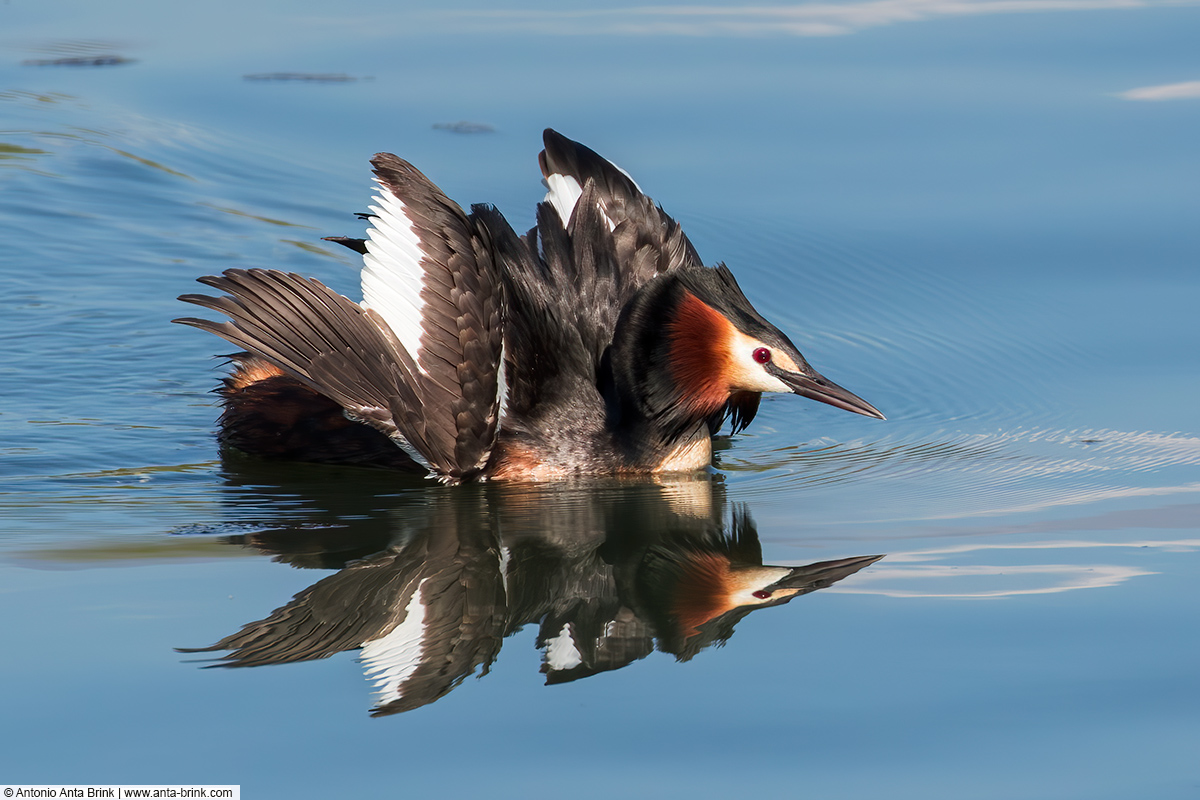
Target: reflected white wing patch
392 660
561 652
392 275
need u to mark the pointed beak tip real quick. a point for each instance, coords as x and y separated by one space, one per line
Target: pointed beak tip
852 402
828 392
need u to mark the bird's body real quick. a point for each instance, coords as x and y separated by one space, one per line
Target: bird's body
598 343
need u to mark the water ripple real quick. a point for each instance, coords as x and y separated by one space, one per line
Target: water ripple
954 474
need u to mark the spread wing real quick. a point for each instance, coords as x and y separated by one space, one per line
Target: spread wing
597 241
419 359
647 239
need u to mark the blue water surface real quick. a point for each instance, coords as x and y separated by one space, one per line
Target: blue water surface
979 216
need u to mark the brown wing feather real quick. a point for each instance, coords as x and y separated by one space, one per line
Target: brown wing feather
319 337
462 304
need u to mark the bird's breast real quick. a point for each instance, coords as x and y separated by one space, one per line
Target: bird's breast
690 456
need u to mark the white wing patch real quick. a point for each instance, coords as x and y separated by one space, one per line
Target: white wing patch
392 660
502 387
392 275
565 191
563 195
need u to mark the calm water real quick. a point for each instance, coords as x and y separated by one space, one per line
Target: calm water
970 215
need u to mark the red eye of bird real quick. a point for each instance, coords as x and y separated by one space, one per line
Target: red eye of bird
762 594
762 355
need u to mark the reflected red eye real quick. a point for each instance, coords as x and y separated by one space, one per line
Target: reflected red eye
762 594
762 355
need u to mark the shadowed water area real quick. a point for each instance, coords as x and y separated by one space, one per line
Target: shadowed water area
980 219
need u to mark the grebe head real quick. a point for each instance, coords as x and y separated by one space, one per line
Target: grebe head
699 348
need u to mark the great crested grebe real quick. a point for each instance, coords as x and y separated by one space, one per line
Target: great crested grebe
597 343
